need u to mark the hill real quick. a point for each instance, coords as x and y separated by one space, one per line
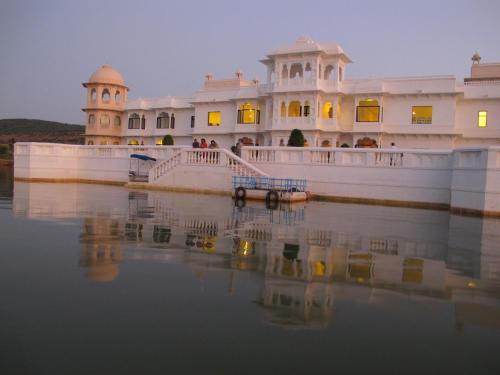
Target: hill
28 130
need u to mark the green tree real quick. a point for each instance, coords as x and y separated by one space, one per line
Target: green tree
296 138
168 140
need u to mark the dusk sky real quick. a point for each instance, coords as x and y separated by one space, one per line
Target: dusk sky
48 48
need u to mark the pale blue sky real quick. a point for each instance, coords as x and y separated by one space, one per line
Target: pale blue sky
165 47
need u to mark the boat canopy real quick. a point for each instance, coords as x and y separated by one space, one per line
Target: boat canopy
142 157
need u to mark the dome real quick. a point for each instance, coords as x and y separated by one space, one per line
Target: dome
106 74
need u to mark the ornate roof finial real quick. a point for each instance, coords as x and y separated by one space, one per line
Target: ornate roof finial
239 74
476 59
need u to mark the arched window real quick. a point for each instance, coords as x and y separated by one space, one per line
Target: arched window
118 96
172 122
248 114
105 96
284 72
296 70
368 110
294 109
133 142
308 71
90 143
104 121
283 109
134 121
91 119
329 72
327 110
93 95
143 122
307 109
118 121
162 121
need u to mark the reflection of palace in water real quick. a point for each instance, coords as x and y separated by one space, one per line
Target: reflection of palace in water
309 254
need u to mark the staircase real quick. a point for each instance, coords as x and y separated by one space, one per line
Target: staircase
218 158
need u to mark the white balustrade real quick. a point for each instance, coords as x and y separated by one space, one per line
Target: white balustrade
387 158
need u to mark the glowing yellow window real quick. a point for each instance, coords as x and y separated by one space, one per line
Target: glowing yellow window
214 118
328 110
159 141
248 114
482 119
294 109
133 142
368 111
421 115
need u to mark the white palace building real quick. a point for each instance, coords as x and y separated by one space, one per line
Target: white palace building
306 88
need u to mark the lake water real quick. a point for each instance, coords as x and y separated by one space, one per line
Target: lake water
102 280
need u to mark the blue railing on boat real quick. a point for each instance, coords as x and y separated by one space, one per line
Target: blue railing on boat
269 183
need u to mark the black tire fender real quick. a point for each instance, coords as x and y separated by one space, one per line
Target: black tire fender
272 196
240 192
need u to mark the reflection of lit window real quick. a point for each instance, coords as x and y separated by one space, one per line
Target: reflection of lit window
209 244
368 111
482 119
421 115
360 266
413 270
214 118
245 248
319 268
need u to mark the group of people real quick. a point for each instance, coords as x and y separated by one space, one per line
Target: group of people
204 144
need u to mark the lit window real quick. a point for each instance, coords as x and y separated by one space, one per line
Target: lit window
133 142
482 119
328 110
214 118
248 114
294 109
159 141
134 121
421 115
162 121
368 111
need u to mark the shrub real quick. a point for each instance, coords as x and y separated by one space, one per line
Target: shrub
296 138
168 140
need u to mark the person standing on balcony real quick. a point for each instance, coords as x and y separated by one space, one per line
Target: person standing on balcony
196 144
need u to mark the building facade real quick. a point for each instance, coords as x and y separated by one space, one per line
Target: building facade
305 89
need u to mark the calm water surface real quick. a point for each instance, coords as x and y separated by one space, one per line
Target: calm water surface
103 280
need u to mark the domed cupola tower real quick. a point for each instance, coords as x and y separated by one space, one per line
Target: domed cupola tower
106 97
